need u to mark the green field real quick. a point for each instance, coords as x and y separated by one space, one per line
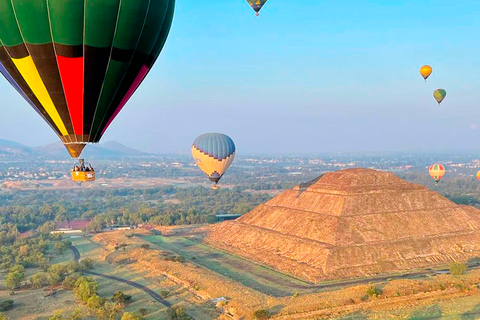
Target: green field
250 274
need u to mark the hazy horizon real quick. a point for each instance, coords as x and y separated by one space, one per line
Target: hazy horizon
307 78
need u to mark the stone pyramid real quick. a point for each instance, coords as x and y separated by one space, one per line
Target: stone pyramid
353 223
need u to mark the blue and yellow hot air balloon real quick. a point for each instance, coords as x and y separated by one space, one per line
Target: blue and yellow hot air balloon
213 153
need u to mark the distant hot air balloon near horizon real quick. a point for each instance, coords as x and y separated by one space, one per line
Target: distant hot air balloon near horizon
478 175
257 5
78 62
439 95
213 153
437 171
426 71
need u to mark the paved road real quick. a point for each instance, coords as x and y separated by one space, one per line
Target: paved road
151 293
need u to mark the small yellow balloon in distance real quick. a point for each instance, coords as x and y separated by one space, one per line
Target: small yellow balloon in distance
426 71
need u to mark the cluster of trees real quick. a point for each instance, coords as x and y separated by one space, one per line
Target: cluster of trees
29 210
86 292
27 251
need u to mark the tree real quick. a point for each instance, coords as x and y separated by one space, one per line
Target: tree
177 313
14 279
131 316
95 302
69 282
39 280
86 264
85 288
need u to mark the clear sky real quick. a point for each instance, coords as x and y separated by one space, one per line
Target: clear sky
306 76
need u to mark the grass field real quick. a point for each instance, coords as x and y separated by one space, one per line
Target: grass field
141 300
250 274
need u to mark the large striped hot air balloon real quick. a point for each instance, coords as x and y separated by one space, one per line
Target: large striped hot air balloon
257 5
77 62
437 171
213 153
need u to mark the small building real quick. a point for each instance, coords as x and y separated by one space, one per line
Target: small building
74 226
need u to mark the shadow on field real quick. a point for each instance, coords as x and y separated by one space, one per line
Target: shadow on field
433 312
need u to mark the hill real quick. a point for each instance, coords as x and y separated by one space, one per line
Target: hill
353 223
110 149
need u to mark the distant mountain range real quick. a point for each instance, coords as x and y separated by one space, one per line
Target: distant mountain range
110 149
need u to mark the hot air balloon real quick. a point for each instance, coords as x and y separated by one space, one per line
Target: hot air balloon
77 62
257 5
213 153
478 175
426 71
439 95
437 171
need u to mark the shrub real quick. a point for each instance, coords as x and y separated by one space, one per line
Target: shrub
179 259
262 314
373 291
145 246
6 305
177 313
120 297
457 268
164 293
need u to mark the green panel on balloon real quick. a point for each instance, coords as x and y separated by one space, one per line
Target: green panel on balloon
9 31
116 71
130 24
100 22
66 18
32 17
167 24
153 25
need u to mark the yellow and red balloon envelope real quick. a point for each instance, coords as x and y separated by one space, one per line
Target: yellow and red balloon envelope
437 171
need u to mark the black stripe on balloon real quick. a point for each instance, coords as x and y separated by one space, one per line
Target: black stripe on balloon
18 52
133 70
43 56
96 63
67 51
121 55
13 71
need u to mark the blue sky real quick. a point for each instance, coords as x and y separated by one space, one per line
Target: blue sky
310 77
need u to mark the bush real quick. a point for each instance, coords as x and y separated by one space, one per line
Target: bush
177 313
6 305
179 259
373 291
145 246
262 314
457 268
120 297
164 293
